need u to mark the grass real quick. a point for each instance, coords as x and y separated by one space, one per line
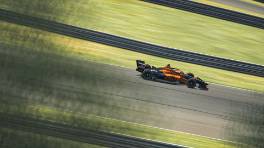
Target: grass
14 138
254 2
152 23
115 56
115 126
212 3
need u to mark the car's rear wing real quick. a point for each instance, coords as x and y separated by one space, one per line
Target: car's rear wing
140 62
140 65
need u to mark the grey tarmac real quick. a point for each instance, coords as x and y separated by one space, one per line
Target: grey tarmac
174 107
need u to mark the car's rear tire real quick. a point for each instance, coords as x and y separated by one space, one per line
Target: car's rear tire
191 83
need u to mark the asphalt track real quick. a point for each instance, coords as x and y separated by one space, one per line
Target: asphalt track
172 107
212 11
99 37
79 134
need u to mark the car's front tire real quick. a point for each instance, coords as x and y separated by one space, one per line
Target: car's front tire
191 83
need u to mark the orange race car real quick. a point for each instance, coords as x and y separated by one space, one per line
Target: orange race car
169 75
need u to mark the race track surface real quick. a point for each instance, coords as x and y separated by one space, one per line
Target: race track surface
168 106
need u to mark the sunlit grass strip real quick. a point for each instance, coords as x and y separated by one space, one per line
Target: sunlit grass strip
254 2
114 126
115 56
228 7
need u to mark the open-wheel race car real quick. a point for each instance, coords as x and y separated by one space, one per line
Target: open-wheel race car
169 75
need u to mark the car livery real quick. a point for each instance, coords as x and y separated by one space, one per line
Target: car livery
170 75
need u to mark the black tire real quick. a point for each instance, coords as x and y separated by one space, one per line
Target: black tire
191 83
147 75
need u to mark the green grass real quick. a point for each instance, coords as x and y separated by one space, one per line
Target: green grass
254 2
116 126
220 5
152 23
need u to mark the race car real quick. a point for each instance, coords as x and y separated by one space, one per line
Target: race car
170 75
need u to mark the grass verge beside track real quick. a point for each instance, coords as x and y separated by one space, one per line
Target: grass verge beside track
152 23
25 37
254 2
208 2
115 126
